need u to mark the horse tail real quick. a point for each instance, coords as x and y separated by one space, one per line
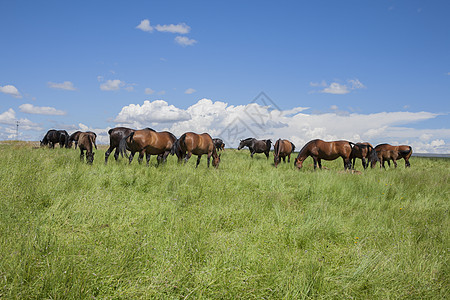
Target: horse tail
91 141
123 144
268 143
406 152
293 146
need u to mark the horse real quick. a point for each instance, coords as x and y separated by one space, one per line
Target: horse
319 150
220 145
149 142
73 138
53 137
198 144
362 151
256 146
115 136
86 140
386 152
281 149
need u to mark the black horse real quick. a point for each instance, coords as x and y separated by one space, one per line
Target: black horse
256 146
219 144
53 137
115 135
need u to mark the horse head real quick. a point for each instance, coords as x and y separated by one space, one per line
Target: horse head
298 163
216 160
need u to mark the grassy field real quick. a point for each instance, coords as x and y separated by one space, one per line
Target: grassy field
245 230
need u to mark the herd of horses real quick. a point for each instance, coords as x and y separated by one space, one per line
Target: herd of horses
147 142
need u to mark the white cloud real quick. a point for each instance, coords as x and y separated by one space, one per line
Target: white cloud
162 92
9 118
116 84
236 122
338 88
145 26
43 110
149 91
185 41
189 91
10 90
181 28
66 85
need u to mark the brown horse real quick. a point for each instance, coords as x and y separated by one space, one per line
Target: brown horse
148 142
86 140
386 152
281 149
73 138
362 151
198 144
319 150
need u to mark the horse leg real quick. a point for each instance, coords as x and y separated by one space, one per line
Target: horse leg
147 158
130 158
267 154
82 155
198 160
407 164
315 163
395 162
289 158
116 154
363 162
284 159
188 155
107 153
141 156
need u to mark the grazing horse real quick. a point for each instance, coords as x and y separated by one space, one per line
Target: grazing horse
220 145
55 136
256 146
73 138
148 142
319 150
86 140
115 136
386 152
362 151
281 149
197 144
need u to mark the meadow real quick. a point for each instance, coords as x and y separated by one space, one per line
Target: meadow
245 230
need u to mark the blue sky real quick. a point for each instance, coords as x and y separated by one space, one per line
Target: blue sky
375 71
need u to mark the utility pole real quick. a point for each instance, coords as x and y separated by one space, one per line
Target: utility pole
17 130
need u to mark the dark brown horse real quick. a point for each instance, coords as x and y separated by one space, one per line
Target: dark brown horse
148 142
256 146
319 150
86 141
362 151
281 149
220 145
386 152
73 138
198 144
53 137
115 136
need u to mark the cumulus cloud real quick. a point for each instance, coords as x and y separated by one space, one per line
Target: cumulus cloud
233 123
145 26
189 91
185 41
116 84
66 85
41 110
338 88
181 28
9 118
10 90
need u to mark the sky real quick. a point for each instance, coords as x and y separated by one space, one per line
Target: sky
376 71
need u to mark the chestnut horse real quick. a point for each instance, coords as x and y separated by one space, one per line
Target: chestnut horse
386 152
86 140
76 135
319 150
256 146
148 142
281 149
362 151
197 144
115 136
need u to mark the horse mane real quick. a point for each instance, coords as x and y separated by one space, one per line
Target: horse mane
148 128
248 139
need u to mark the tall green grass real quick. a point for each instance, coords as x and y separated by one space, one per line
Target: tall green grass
244 230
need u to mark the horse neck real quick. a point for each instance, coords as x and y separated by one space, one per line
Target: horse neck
304 153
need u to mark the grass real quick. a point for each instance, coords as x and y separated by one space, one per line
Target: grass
246 230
